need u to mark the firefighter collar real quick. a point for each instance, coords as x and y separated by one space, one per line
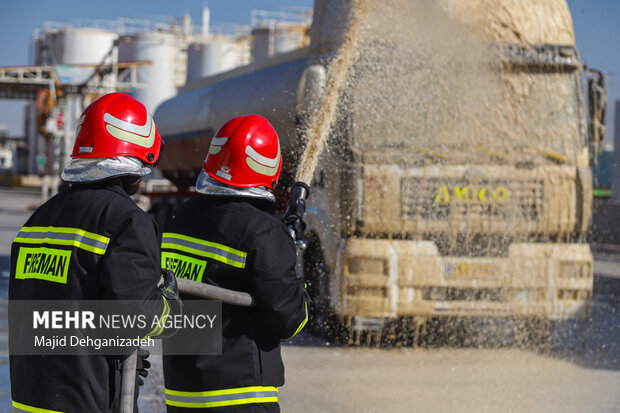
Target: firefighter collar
209 186
82 170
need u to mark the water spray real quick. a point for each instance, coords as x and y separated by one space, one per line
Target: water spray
318 130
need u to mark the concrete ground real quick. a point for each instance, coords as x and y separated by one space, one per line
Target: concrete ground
443 380
580 372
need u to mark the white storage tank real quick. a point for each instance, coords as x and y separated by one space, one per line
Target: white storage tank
160 49
278 38
209 58
81 46
37 51
289 37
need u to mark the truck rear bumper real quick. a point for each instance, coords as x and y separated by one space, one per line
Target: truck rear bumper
399 278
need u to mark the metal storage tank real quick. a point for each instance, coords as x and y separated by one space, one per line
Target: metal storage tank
278 38
80 46
215 56
160 49
262 46
37 51
289 37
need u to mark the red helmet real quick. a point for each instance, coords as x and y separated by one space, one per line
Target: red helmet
245 153
117 125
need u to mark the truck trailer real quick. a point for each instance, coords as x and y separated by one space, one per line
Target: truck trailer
455 182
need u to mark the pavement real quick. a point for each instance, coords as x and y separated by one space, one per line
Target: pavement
442 380
579 372
606 268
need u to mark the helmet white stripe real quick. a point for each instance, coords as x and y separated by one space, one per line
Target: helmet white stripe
79 126
216 144
257 157
219 140
261 169
143 130
144 141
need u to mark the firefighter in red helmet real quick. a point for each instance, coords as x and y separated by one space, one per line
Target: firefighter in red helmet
110 251
232 228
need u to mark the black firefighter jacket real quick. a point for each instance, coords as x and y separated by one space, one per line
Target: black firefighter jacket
235 243
89 242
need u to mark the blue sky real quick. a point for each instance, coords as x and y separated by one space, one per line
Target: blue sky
596 22
20 18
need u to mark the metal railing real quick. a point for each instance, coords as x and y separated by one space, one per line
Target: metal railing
125 26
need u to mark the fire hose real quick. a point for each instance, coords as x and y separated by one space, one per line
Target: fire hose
201 290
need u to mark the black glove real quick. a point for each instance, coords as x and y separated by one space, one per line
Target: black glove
295 210
142 365
295 226
169 288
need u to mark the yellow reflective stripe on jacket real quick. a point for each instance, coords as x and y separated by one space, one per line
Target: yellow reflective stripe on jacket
303 323
202 248
162 320
219 398
64 236
20 407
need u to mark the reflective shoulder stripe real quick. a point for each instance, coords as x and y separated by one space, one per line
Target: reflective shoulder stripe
19 407
220 398
303 323
203 248
74 237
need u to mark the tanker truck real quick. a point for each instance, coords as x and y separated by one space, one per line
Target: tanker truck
455 181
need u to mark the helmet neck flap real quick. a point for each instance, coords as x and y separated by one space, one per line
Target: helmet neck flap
209 186
83 170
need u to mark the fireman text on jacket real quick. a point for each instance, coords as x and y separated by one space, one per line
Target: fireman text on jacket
183 266
49 264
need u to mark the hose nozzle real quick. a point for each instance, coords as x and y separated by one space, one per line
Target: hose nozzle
295 211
